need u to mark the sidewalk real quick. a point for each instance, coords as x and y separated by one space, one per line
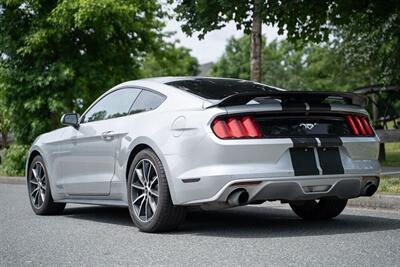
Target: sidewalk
12 180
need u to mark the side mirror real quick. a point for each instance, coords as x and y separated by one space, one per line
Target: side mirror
71 119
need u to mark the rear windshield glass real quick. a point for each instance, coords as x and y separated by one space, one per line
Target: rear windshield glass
219 88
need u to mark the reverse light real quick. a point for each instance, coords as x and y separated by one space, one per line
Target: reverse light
236 128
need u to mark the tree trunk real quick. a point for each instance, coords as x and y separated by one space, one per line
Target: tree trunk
255 43
54 122
4 136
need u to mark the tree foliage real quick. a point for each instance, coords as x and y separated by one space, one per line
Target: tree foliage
370 28
14 160
375 39
170 60
58 56
310 67
305 20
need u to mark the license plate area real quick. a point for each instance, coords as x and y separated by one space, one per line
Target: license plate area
316 161
330 160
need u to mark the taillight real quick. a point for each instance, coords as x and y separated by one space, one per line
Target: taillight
251 127
367 127
359 125
236 127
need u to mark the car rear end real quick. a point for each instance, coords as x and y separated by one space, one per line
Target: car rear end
279 146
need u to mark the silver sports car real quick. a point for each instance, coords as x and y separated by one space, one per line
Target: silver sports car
162 145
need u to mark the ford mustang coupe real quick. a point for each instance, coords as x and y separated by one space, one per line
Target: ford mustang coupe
162 145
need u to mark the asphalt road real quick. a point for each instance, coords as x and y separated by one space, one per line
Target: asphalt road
256 235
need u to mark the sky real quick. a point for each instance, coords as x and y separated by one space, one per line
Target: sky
213 45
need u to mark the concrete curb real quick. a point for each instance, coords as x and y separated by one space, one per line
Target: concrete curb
12 180
395 173
378 201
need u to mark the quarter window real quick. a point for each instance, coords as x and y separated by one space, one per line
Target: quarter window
113 105
147 101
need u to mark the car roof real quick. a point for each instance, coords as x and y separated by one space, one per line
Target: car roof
168 79
163 85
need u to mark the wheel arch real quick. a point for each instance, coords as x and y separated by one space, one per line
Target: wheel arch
37 151
32 154
132 155
145 143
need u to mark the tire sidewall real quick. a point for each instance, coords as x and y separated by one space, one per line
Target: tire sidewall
323 210
162 182
47 194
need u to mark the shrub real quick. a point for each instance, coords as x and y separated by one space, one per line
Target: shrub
13 163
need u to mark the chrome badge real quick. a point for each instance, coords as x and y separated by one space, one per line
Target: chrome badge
308 126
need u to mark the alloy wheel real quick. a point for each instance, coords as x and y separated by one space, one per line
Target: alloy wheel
144 190
37 185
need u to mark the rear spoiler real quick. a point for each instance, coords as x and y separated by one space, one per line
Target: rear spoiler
293 97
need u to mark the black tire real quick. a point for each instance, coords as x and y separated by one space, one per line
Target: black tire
167 216
324 209
47 205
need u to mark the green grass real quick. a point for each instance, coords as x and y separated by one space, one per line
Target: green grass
392 155
389 184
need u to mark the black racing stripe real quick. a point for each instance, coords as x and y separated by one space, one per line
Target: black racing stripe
303 161
330 161
293 106
304 142
320 107
331 141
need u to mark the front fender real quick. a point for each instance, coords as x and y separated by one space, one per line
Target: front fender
37 149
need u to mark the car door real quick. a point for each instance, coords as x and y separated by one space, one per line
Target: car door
89 150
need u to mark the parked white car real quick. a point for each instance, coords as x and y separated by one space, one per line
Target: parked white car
161 145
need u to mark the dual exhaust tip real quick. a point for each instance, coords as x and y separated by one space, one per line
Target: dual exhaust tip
240 196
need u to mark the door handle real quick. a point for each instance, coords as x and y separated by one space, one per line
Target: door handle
108 135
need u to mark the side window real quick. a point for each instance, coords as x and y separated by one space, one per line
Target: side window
146 101
113 105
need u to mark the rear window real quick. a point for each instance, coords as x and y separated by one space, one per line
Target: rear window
219 88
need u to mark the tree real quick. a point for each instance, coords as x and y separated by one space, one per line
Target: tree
170 60
58 56
375 40
302 20
234 63
205 16
308 67
4 125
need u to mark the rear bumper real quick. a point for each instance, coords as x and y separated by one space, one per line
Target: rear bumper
291 188
208 169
